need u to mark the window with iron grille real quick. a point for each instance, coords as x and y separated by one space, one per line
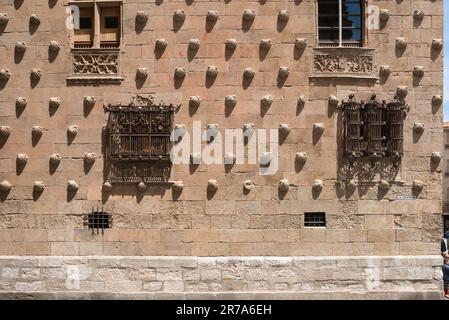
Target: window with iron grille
314 219
98 220
373 129
138 141
340 23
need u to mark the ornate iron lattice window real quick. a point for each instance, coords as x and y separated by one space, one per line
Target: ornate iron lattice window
138 141
373 129
98 220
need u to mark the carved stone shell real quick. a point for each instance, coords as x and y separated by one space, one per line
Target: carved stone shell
283 72
4 74
178 186
54 102
195 158
318 127
284 129
231 44
21 102
55 46
249 15
267 101
229 158
317 185
73 130
38 186
179 15
142 73
302 100
22 158
283 15
142 17
249 73
161 44
195 101
194 44
385 71
333 101
418 14
212 185
300 43
401 43
418 71
284 185
72 185
34 19
418 127
55 158
5 186
37 131
301 157
212 71
265 44
5 131
266 158
180 72
437 44
20 47
436 157
248 185
89 158
384 185
230 101
402 91
107 186
212 15
417 185
4 18
437 100
89 101
36 74
141 186
384 15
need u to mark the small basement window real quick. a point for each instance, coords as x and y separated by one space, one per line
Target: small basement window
314 219
98 220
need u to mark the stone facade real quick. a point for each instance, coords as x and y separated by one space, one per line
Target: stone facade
47 90
118 277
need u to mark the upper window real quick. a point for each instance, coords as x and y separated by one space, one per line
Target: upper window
99 25
340 23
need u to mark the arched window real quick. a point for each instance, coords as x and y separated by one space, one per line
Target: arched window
340 23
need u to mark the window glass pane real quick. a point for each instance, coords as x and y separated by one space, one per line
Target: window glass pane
328 7
352 21
328 21
111 22
351 7
85 23
329 34
352 34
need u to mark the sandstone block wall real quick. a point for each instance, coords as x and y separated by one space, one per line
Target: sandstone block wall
121 277
362 222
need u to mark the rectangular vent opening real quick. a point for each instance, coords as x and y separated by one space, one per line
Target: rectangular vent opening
98 220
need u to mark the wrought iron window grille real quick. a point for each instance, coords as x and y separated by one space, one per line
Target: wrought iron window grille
138 141
373 129
98 220
314 219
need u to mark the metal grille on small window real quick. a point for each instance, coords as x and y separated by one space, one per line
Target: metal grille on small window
98 220
314 219
373 129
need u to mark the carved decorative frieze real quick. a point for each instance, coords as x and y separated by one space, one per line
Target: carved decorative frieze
328 63
90 63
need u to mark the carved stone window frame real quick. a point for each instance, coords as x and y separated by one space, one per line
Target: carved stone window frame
96 65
